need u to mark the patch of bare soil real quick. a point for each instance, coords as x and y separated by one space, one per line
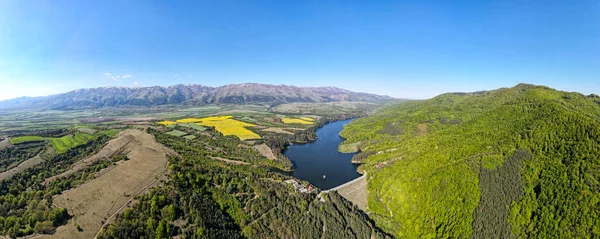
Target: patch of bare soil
265 151
230 161
95 203
421 129
277 130
21 167
5 143
126 142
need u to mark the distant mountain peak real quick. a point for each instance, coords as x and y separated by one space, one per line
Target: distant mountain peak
190 94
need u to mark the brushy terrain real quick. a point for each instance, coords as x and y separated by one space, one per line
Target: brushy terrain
515 162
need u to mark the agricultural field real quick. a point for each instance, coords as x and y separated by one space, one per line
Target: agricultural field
329 108
307 119
224 124
26 139
193 126
67 142
302 120
190 137
228 126
176 133
167 122
189 120
24 122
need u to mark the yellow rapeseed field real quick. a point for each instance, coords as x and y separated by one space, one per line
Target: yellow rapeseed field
224 124
167 122
228 126
296 121
189 120
217 118
307 119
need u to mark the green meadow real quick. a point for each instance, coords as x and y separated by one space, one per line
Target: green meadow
25 139
65 143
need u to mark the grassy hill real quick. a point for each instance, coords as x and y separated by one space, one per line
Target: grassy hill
514 162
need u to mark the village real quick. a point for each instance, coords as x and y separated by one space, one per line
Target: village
299 187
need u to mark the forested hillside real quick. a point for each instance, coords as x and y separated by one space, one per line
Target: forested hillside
515 162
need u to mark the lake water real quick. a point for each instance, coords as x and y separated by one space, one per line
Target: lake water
321 157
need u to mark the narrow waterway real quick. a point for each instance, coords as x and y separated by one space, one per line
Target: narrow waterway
315 159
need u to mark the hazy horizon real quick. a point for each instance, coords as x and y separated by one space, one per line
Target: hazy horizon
411 49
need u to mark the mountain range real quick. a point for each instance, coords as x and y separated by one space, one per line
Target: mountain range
192 94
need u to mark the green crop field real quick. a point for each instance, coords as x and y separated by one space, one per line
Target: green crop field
65 143
25 139
190 137
194 126
177 133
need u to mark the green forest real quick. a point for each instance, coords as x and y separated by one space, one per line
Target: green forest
518 162
207 198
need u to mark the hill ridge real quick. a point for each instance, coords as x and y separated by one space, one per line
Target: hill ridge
499 164
190 94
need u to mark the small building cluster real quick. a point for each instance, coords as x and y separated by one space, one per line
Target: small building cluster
299 186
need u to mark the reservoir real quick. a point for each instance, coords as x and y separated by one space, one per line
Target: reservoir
321 157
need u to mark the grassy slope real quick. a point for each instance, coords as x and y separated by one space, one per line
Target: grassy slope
67 142
176 133
25 139
426 177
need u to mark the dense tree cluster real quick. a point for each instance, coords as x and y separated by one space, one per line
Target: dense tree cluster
392 128
12 156
429 182
499 188
206 198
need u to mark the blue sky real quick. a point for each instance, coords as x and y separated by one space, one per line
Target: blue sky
412 49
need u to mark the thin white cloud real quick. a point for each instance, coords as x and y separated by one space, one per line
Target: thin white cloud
115 77
136 83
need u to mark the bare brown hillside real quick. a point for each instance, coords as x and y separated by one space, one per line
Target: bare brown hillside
96 202
5 143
